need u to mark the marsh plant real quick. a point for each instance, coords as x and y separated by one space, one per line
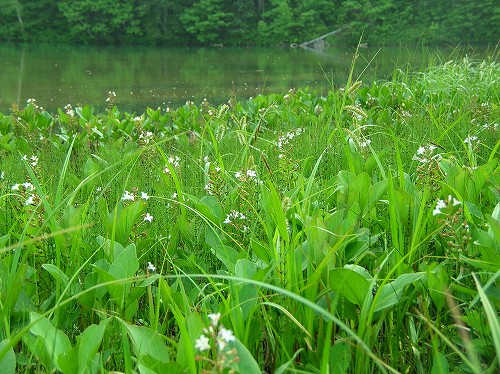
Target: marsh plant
355 232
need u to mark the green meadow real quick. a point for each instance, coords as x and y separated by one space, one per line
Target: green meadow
354 232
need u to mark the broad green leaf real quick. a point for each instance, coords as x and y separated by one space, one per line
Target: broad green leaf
125 220
228 255
245 268
55 342
8 361
149 347
79 359
125 264
350 284
56 273
340 357
246 363
440 364
392 293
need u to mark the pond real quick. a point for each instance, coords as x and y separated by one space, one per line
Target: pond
151 77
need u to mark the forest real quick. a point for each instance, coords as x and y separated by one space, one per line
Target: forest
249 23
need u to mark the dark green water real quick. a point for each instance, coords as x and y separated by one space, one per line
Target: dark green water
142 77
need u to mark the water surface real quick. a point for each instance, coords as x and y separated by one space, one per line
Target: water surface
153 77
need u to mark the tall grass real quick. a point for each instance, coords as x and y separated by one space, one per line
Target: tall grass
357 232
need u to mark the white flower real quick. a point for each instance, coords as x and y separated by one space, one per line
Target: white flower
15 187
439 205
144 196
237 175
151 267
214 317
226 335
148 217
223 337
470 139
128 196
2 175
28 186
251 173
30 200
34 161
202 343
227 220
24 158
365 143
454 201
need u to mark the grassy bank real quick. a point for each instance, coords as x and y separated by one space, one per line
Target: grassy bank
357 232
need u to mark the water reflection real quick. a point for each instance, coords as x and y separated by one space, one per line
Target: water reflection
141 77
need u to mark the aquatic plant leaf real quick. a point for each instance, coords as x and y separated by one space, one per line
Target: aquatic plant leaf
392 293
51 341
149 347
350 284
246 363
79 358
340 357
8 361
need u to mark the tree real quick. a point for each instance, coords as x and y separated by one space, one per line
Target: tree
102 21
276 24
12 9
208 20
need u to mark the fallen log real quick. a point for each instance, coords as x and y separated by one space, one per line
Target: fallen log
308 43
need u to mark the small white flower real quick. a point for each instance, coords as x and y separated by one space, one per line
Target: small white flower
30 200
34 161
237 175
471 140
202 343
224 336
439 205
151 267
227 220
144 196
15 187
251 173
148 218
2 175
214 317
28 186
365 143
128 196
24 158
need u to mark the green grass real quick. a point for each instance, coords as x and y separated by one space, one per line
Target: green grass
353 233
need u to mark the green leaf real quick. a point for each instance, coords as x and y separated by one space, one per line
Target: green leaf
149 347
79 359
8 361
492 316
54 341
125 220
392 293
229 256
125 264
440 364
350 284
340 357
246 363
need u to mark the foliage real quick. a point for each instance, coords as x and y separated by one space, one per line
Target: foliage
356 232
242 22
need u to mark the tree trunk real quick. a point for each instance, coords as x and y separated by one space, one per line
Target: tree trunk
305 44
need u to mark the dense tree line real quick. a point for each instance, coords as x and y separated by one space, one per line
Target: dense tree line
248 22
